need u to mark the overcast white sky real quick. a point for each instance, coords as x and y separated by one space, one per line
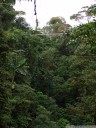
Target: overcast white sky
51 8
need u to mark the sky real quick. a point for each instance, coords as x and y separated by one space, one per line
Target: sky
47 9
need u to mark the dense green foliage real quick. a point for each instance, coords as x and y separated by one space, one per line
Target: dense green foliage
46 82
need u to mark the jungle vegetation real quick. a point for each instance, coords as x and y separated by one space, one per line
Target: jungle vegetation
46 82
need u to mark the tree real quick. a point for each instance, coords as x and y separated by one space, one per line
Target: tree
7 15
56 25
92 11
87 13
20 23
56 20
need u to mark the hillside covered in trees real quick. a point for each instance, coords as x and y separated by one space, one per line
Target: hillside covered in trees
46 81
